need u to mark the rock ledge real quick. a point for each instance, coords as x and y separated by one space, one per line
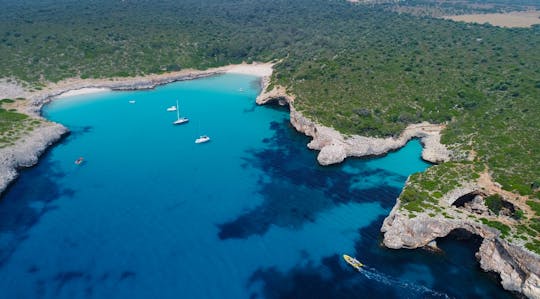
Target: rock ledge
334 147
518 268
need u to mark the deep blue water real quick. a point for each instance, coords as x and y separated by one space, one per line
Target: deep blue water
150 214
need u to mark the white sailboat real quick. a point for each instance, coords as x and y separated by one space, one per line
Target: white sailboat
179 120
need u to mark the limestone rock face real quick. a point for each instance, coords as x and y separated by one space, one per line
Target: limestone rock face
334 147
518 268
26 151
477 206
330 154
278 93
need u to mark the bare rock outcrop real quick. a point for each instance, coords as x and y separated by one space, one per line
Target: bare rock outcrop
335 147
276 94
25 151
518 268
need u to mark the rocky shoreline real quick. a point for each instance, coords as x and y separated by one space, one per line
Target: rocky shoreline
518 268
334 147
26 151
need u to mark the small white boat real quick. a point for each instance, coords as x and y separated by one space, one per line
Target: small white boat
179 120
172 108
132 102
79 161
202 139
241 90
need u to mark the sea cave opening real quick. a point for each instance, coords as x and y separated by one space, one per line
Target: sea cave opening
466 199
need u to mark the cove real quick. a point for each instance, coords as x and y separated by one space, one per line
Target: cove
151 214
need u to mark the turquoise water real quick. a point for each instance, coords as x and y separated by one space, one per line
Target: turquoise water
151 214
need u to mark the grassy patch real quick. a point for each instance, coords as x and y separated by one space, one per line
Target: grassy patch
533 246
494 203
535 206
12 124
503 228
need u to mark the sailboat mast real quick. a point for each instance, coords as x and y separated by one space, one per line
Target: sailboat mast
177 111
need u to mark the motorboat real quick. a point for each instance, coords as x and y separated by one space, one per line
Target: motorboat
202 139
353 262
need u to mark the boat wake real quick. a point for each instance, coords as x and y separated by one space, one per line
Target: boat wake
416 289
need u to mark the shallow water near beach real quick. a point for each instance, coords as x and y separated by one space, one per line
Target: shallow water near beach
250 214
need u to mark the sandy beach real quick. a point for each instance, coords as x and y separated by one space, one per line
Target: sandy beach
82 91
77 86
255 69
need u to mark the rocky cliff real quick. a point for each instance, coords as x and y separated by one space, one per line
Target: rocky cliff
334 147
518 268
25 151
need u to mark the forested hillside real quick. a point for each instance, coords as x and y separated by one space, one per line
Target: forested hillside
361 69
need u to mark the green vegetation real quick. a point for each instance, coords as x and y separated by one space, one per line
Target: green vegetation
519 214
423 192
360 69
425 189
13 124
535 206
533 246
503 228
494 203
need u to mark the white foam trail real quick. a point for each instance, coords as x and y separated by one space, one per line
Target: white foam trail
371 273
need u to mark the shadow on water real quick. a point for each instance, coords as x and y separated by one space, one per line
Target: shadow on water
270 105
61 282
25 202
31 196
388 273
295 188
330 279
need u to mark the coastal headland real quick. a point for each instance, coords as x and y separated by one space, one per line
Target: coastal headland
518 268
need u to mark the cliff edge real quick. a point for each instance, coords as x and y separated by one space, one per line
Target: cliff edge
519 268
25 151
